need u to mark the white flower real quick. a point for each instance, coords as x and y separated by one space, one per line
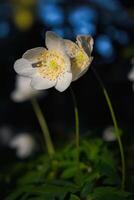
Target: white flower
47 67
131 73
80 54
109 134
23 91
24 145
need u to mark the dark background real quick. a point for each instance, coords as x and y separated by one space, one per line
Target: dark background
111 24
23 24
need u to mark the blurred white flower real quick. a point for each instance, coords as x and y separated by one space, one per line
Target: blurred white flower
131 73
109 134
80 55
47 67
23 90
5 135
24 144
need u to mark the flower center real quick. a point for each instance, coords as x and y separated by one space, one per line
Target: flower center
80 60
51 64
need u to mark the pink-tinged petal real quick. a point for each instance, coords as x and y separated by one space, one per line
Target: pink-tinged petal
64 81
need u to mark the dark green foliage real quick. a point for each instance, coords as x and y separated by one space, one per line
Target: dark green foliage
111 193
74 197
60 178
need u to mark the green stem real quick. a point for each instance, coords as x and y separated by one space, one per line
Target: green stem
43 126
115 126
77 131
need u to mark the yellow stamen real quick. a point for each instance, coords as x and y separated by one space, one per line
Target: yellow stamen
80 60
51 64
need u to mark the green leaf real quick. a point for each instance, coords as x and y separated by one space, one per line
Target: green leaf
110 193
31 177
74 197
88 186
69 172
19 192
48 191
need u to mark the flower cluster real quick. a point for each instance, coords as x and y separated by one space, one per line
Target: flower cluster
62 62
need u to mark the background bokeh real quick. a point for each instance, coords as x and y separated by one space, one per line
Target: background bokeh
23 24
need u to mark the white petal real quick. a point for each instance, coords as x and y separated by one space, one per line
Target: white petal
23 67
64 81
86 42
17 96
109 134
76 77
40 83
23 90
22 83
20 96
71 48
67 63
54 42
32 54
24 145
131 74
81 73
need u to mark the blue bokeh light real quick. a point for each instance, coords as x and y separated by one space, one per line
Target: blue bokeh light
104 46
4 29
85 28
50 14
82 14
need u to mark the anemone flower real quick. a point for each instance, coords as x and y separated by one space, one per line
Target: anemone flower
49 67
24 144
131 73
80 55
109 134
23 90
